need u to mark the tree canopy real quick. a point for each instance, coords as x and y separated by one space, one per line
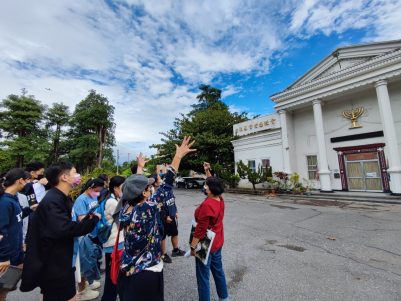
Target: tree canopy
210 123
31 131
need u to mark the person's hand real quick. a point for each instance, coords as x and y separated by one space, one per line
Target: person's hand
185 147
206 166
34 206
4 266
176 215
141 160
168 220
193 252
43 181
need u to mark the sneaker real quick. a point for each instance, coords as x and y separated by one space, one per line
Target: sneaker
166 258
177 253
87 294
95 285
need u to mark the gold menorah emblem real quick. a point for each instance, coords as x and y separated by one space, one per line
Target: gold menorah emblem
353 115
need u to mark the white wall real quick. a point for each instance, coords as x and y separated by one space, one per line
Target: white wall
335 125
263 145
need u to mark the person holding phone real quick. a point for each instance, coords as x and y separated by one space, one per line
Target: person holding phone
50 238
11 216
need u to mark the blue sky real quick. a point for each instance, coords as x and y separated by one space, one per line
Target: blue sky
149 57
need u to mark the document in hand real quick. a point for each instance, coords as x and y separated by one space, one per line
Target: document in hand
10 278
204 245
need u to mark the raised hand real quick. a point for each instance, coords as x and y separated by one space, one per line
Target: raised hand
206 166
141 160
182 150
185 147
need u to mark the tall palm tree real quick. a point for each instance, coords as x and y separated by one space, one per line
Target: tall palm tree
209 94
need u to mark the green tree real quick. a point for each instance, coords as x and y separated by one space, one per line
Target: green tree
92 131
208 96
210 123
254 177
21 128
57 116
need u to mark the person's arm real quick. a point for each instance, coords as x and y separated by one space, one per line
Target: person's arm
6 212
202 224
60 225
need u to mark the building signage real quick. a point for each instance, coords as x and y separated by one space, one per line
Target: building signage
255 125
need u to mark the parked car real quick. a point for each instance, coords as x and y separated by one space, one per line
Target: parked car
190 182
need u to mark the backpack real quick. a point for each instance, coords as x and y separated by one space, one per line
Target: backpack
103 229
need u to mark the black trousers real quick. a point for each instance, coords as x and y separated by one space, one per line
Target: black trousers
110 290
61 291
144 286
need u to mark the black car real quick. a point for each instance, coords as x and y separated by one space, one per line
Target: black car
190 182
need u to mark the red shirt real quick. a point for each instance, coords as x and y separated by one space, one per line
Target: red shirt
209 215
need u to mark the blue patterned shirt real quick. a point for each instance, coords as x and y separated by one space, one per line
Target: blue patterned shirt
142 237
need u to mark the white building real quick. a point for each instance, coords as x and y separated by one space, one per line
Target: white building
340 122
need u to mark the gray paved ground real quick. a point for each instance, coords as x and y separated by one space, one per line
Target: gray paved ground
280 250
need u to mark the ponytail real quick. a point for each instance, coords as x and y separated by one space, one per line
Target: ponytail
11 177
92 183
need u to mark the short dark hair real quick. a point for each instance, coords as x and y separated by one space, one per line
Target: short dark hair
34 166
134 168
216 185
115 181
54 171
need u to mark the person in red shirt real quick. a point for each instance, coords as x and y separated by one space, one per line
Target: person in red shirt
210 215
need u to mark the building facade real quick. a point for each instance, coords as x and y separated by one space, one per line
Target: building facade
340 123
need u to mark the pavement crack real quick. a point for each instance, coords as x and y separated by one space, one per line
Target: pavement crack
352 259
308 218
384 250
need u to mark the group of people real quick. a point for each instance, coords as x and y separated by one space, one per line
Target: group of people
59 244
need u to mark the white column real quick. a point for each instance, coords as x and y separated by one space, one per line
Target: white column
284 141
324 173
390 136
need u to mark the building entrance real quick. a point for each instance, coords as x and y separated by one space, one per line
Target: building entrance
363 172
363 168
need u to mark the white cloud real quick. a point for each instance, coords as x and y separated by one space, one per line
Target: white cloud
147 56
230 90
380 18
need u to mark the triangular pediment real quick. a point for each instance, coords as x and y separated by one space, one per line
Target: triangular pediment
345 58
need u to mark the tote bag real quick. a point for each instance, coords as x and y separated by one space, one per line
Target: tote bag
115 260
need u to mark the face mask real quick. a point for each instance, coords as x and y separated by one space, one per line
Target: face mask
94 194
77 180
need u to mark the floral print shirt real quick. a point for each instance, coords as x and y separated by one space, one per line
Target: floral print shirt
142 237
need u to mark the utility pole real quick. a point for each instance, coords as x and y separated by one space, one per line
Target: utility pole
118 158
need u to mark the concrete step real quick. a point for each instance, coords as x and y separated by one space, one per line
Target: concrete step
337 195
379 198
